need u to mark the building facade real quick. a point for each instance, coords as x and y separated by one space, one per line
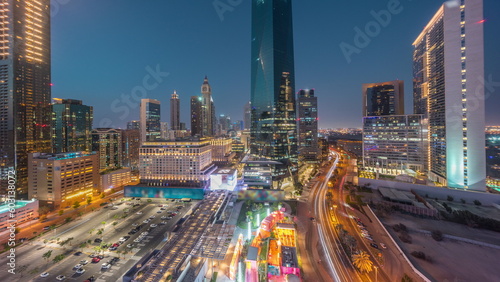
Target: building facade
221 150
62 179
274 129
150 120
493 156
176 163
131 142
307 109
25 80
107 142
196 116
385 98
175 111
24 212
115 179
394 145
448 74
247 116
71 126
134 124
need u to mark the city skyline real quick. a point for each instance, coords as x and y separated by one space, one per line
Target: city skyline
334 77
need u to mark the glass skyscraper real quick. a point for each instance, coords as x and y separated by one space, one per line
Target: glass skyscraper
150 120
71 126
274 128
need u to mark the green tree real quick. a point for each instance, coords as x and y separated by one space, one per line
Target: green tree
362 261
58 258
76 204
89 200
60 212
46 256
68 219
102 195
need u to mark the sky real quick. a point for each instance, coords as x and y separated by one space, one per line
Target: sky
112 53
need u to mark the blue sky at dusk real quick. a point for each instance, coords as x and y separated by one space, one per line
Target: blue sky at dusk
102 51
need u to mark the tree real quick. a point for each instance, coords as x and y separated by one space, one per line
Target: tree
76 204
362 261
103 195
406 278
60 212
89 200
58 258
477 203
449 198
68 219
437 235
42 218
46 256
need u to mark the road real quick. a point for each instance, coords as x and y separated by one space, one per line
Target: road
30 255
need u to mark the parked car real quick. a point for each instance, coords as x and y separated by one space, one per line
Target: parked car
90 279
84 262
106 265
97 240
77 266
383 246
374 245
61 277
96 260
80 270
45 274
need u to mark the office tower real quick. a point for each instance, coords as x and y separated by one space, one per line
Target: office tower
107 142
308 126
394 144
274 129
247 115
175 112
493 154
196 116
134 124
176 163
150 120
448 75
183 125
207 108
164 130
385 98
131 141
225 123
25 79
62 179
71 126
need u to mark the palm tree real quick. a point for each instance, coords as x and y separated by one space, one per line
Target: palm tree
362 261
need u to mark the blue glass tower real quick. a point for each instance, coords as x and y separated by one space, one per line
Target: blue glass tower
273 122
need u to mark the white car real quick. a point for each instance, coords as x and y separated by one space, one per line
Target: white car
139 212
121 240
106 265
84 262
154 225
145 233
80 270
135 224
61 277
153 216
78 266
383 245
138 239
146 221
45 274
130 246
163 222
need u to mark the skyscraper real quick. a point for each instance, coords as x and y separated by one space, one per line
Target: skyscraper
150 120
247 115
448 75
385 98
196 115
207 108
308 126
107 142
71 126
25 78
175 111
131 141
274 129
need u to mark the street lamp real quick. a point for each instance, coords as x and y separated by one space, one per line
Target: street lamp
376 273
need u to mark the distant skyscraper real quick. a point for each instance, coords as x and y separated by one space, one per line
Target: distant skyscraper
71 126
308 126
150 120
107 142
448 75
134 124
274 129
207 108
247 115
131 141
385 98
25 77
164 130
225 123
196 115
175 112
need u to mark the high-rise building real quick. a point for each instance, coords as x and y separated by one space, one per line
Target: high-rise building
71 126
134 124
308 126
150 120
62 179
208 109
164 130
131 142
274 129
385 98
196 116
175 112
25 80
247 115
224 123
493 154
107 142
448 75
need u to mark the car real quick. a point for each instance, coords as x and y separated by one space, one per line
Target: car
84 262
78 253
139 212
153 225
115 245
374 245
115 259
145 233
152 217
61 277
123 239
168 218
383 246
46 228
80 271
173 200
45 274
135 224
163 222
97 240
369 238
96 260
138 239
162 209
164 217
77 266
106 265
146 221
130 246
136 205
112 248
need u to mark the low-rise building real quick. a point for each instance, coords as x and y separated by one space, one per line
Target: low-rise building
20 211
222 150
115 179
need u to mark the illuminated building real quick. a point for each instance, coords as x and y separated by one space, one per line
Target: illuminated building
274 128
24 211
131 141
208 110
196 116
323 149
221 150
175 111
448 75
164 130
134 124
385 98
224 124
115 179
224 179
247 116
150 120
71 126
394 145
493 156
61 179
176 163
353 146
107 142
308 126
238 147
25 80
